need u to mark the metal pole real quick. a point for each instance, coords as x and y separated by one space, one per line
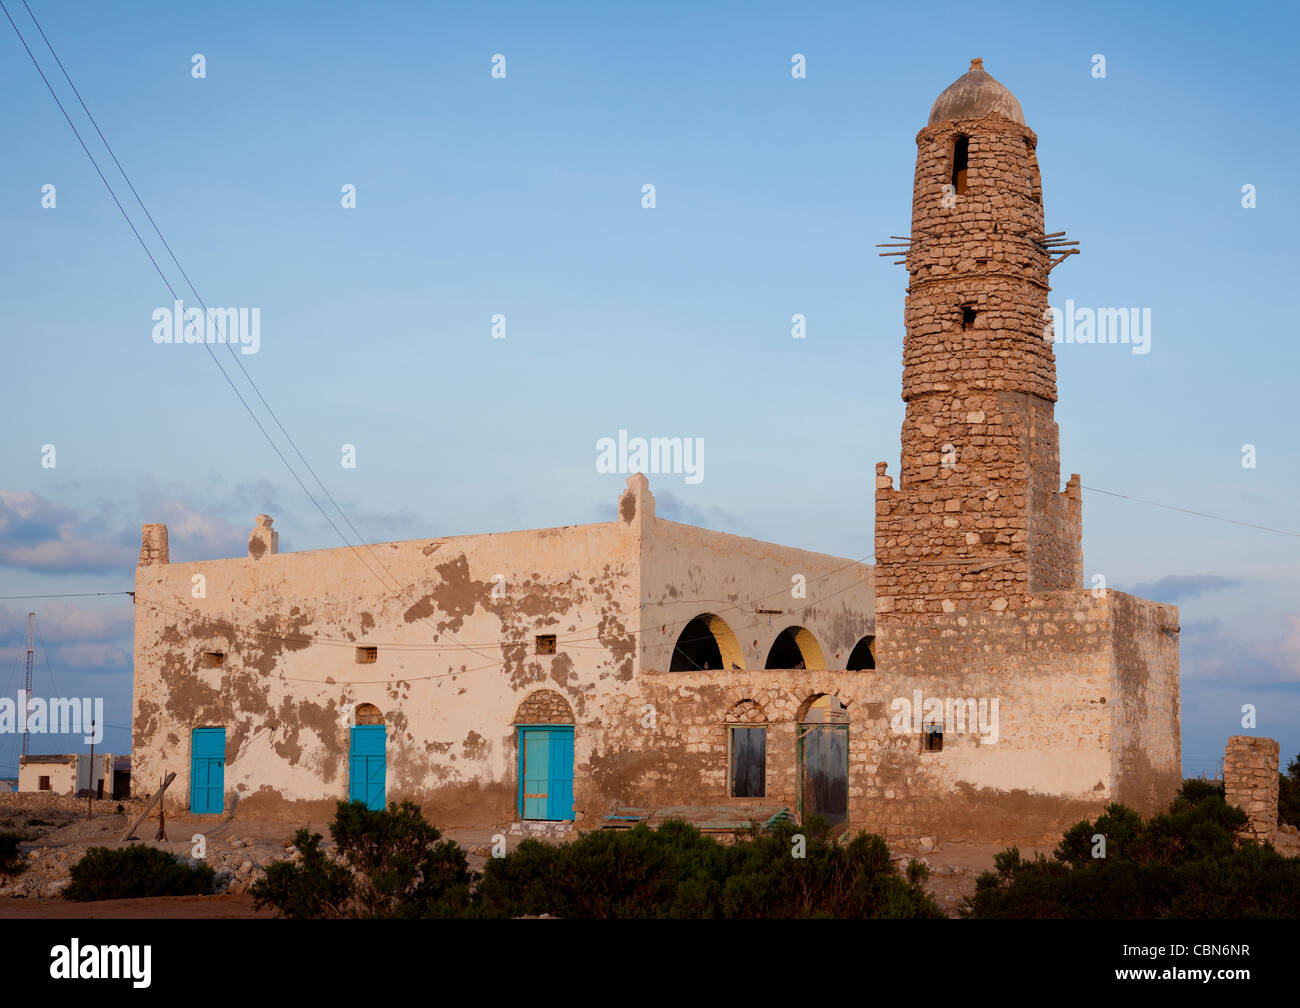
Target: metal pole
27 693
90 791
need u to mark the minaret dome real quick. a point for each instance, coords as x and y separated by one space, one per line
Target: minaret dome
973 95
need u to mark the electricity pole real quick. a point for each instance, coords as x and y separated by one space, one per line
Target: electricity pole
90 791
27 695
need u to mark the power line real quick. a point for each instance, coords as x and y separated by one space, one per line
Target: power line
404 677
487 644
45 657
206 347
11 598
138 238
577 641
569 641
1199 514
194 291
253 385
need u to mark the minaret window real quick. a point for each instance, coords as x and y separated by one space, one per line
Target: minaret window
959 152
967 317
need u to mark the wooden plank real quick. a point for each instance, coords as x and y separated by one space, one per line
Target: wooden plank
148 808
706 818
625 818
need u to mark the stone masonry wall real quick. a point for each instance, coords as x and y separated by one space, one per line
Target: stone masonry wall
1043 773
1250 782
544 707
979 251
981 517
1052 665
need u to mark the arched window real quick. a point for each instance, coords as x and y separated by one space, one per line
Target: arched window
369 714
794 648
863 655
706 642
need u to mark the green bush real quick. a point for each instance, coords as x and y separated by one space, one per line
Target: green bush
401 865
1187 862
11 858
634 873
393 864
312 886
135 872
676 871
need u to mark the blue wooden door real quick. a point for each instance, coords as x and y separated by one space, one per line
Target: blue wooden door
546 772
560 798
369 765
207 770
537 773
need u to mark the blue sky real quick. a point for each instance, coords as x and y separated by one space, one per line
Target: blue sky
522 196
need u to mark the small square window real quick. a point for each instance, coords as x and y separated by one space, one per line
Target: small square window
367 655
932 738
214 659
546 643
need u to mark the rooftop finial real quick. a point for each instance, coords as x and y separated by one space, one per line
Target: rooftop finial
977 64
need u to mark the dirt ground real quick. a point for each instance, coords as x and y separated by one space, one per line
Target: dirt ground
954 867
165 908
58 831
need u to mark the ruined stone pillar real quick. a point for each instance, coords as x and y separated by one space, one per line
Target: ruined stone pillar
1250 781
153 545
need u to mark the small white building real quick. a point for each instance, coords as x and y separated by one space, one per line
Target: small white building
67 774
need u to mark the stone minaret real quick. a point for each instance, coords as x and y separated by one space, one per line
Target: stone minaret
978 518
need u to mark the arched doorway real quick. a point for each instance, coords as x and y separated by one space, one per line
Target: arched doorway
795 648
544 731
706 643
822 753
368 757
747 750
